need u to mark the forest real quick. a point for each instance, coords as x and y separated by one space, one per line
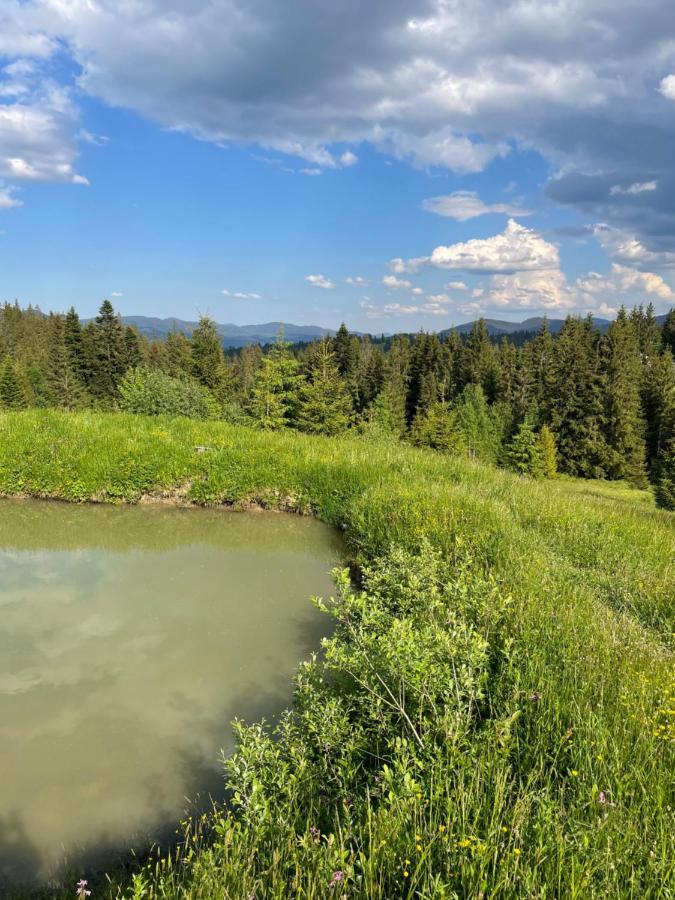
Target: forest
580 403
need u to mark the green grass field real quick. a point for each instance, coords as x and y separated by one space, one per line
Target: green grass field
494 716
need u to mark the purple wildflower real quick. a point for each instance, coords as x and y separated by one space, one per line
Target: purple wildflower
315 833
337 878
601 797
82 888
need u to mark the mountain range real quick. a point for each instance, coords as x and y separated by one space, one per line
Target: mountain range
241 335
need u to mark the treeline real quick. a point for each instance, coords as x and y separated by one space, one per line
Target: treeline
586 404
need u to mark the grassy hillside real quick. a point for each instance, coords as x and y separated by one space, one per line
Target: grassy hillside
494 715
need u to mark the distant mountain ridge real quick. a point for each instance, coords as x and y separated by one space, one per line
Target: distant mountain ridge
232 335
265 333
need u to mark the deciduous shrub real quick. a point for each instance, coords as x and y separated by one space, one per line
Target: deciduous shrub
152 393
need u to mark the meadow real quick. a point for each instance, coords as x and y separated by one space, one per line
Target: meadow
494 715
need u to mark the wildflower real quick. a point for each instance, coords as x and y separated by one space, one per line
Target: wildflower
419 848
574 773
405 873
82 888
441 828
504 829
338 876
601 797
517 851
535 696
315 834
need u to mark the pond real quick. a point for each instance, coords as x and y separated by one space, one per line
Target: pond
130 638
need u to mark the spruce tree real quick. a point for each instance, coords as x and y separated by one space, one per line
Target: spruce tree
274 397
574 401
12 392
325 405
179 359
108 353
437 427
624 427
547 451
75 346
64 387
664 481
524 452
668 332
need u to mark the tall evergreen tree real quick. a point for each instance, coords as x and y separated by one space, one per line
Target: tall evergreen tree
668 332
624 428
65 388
575 401
108 350
325 403
274 397
12 391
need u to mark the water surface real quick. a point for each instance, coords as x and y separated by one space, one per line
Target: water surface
129 639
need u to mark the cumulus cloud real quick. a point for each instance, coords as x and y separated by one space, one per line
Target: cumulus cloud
456 286
38 126
8 198
516 249
627 249
463 205
320 281
667 87
116 294
421 80
395 284
356 280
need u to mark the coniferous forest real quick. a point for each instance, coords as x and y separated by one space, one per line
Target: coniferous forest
579 402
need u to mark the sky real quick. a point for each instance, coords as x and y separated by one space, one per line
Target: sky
394 165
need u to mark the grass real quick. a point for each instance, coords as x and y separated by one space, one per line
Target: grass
494 716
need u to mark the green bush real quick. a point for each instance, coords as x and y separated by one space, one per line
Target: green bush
150 392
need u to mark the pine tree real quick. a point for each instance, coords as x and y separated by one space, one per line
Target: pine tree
179 359
624 428
668 332
547 451
274 396
523 453
74 345
207 353
325 403
133 348
108 353
64 387
574 401
664 483
12 392
395 384
437 427
479 361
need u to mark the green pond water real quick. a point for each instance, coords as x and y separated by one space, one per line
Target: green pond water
129 639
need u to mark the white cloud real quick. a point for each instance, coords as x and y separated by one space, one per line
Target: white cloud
623 280
8 200
530 290
417 291
407 266
667 87
637 187
627 249
312 172
456 286
356 280
394 283
116 294
241 295
348 159
37 131
463 205
516 249
439 299
320 281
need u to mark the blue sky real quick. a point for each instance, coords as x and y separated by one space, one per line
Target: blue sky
286 161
